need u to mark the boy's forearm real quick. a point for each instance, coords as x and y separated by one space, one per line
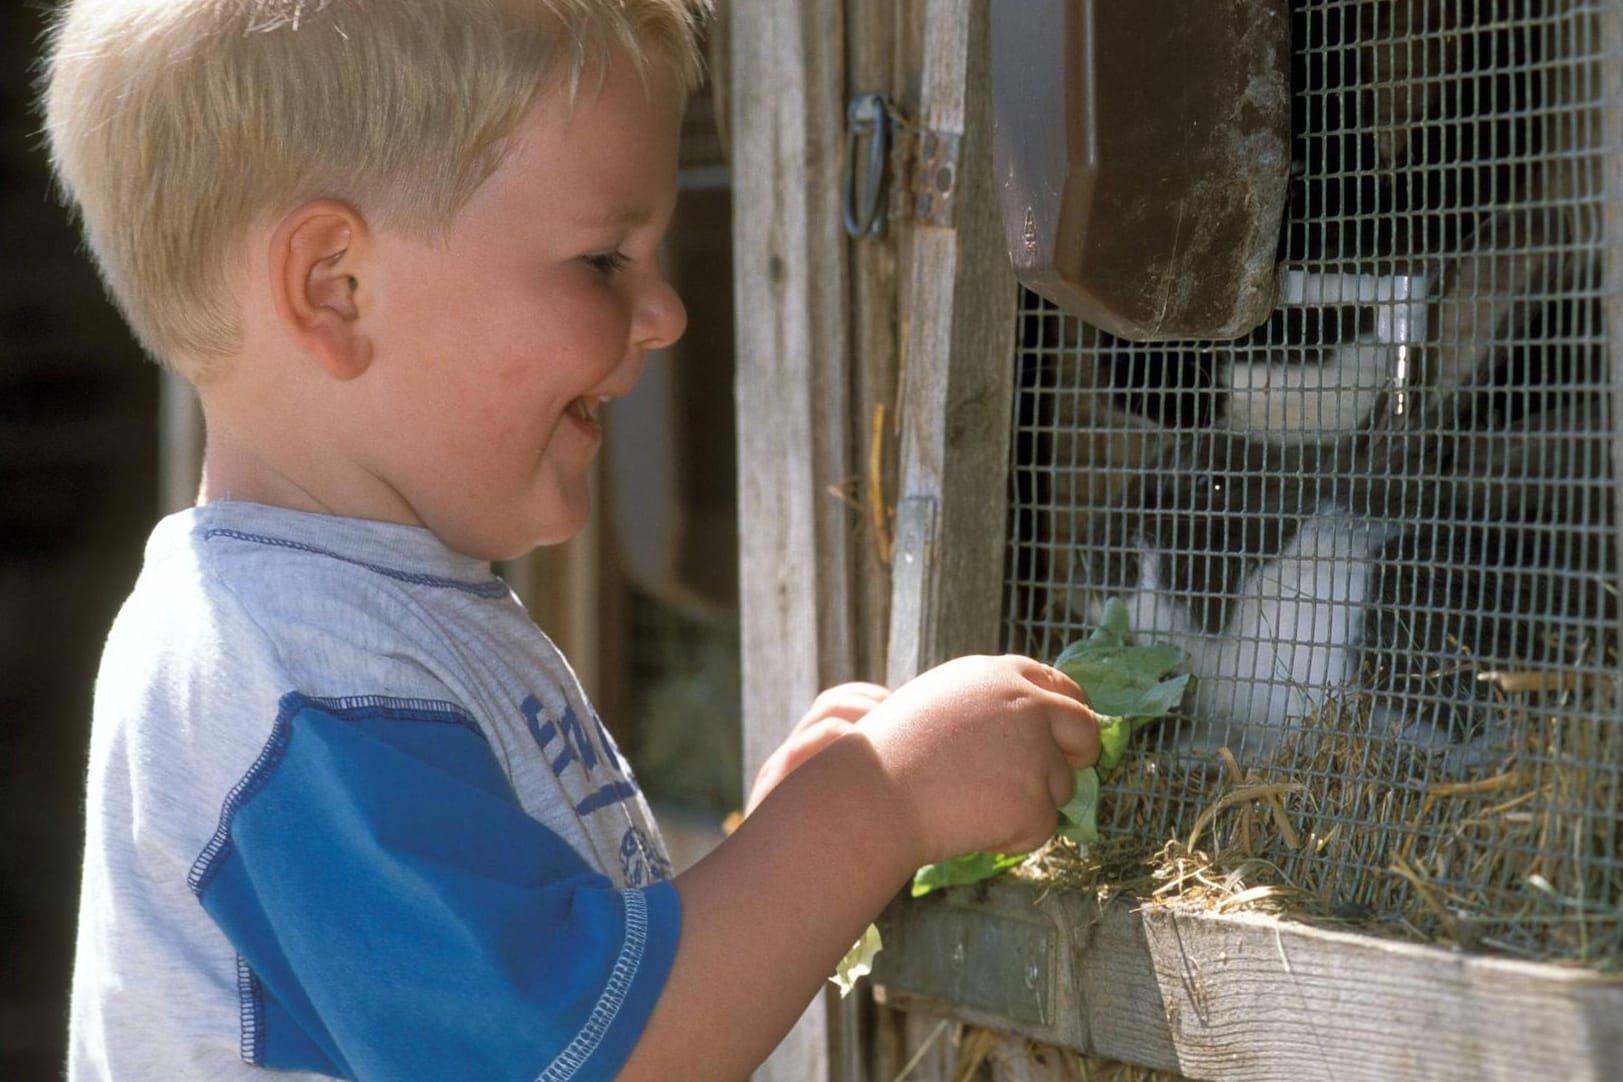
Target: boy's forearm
766 917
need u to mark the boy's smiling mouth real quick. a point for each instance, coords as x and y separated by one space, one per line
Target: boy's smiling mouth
587 408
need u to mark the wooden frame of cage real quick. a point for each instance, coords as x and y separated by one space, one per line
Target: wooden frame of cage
829 330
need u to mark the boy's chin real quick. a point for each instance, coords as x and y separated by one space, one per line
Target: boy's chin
555 533
501 538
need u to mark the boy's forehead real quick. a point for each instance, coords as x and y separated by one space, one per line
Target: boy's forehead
606 187
616 92
612 148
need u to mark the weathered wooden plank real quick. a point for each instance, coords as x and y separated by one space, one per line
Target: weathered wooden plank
957 379
1251 997
956 330
785 108
875 31
874 64
791 349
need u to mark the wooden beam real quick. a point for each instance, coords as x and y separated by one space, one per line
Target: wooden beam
875 64
786 111
791 347
957 372
877 33
1241 996
957 380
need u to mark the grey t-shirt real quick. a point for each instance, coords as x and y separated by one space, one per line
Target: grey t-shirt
350 814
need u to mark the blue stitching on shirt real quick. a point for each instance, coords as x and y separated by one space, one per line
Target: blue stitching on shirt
569 1062
251 1014
495 588
350 709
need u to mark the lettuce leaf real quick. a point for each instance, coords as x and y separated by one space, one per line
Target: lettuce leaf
858 961
1128 687
969 868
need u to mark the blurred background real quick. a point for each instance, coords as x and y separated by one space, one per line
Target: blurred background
645 603
78 492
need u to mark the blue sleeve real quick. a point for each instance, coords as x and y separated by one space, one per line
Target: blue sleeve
398 915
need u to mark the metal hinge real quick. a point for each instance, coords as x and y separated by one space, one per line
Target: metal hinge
894 169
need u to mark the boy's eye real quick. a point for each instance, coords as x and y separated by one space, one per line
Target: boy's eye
606 263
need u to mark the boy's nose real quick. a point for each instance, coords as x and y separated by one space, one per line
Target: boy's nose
662 317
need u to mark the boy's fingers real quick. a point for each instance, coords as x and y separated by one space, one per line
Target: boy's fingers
845 702
854 697
850 711
1061 785
1076 733
1064 684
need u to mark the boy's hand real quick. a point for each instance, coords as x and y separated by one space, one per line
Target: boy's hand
975 754
833 713
983 750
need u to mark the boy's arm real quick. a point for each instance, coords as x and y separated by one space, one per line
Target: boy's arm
766 917
977 754
833 713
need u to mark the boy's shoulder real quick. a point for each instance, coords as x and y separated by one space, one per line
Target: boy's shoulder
232 542
273 563
288 600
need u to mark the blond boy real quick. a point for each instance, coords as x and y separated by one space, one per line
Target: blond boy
350 814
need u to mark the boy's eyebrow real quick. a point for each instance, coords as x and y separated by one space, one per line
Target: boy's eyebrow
618 216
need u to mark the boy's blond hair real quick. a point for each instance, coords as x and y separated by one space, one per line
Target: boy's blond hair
176 125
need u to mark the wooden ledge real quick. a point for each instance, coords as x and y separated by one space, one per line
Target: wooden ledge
1242 996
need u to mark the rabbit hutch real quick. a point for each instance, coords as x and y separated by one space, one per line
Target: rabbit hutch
1295 328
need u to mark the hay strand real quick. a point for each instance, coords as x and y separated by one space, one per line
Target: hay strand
1348 822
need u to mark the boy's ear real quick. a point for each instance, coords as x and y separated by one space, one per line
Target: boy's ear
317 264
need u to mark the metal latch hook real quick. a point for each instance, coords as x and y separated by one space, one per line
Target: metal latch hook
867 116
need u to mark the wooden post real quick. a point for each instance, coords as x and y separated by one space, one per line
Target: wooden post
957 392
881 58
958 372
808 571
786 113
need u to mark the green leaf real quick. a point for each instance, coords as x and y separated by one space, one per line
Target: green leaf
858 961
969 868
1079 818
1128 687
1113 736
1124 681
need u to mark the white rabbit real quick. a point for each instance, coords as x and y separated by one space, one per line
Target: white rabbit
1289 641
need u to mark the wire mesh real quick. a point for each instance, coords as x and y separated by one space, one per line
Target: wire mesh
1384 526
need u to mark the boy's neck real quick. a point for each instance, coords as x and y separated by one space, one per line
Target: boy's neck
266 444
233 471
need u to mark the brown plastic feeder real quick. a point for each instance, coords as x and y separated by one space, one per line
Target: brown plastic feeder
1142 154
